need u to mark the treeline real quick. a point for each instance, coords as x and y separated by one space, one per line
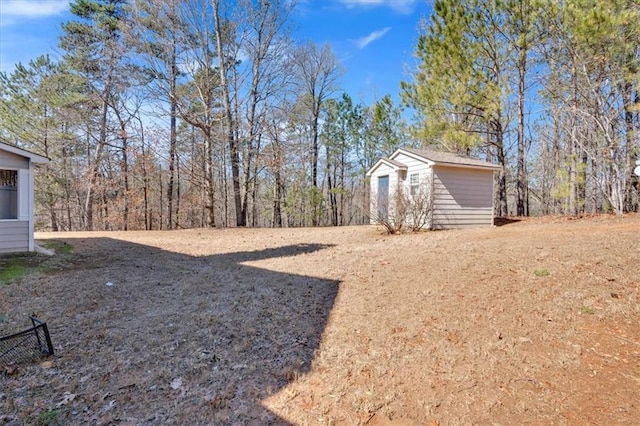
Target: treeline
546 88
165 114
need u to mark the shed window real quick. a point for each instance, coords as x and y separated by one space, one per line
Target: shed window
8 194
414 183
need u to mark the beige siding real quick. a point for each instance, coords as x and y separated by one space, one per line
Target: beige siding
462 197
413 166
9 160
14 236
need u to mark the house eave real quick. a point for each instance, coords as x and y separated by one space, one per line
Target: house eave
495 168
412 155
33 157
435 163
395 165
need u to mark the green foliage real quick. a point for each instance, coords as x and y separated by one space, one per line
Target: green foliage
587 310
11 272
44 94
457 92
15 266
384 132
49 417
561 190
542 272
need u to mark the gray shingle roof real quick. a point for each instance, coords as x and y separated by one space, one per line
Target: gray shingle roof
439 157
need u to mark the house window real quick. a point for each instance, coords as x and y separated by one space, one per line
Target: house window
414 183
8 194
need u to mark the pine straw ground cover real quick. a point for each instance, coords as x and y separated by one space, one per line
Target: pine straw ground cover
536 321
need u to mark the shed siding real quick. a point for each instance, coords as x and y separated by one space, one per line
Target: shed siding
383 170
462 197
413 165
14 236
9 160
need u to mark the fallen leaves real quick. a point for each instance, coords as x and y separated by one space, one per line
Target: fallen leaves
11 370
47 364
176 383
67 397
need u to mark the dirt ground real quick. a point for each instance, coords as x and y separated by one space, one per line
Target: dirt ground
531 322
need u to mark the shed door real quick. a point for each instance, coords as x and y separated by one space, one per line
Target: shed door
383 198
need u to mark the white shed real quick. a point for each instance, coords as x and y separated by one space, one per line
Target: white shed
16 198
436 190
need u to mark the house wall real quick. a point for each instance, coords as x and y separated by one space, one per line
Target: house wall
462 197
14 236
414 166
383 170
421 197
399 179
9 160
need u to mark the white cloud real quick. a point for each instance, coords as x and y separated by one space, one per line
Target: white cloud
364 41
401 6
33 8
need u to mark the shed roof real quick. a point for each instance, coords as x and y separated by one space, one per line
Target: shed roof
447 158
396 165
35 158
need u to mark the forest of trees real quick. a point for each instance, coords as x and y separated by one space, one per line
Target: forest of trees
546 88
167 114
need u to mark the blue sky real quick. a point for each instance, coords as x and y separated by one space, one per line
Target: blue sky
373 39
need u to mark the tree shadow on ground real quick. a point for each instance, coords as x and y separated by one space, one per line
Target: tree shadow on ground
502 221
148 336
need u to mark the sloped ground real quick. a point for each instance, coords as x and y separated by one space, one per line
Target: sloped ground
535 321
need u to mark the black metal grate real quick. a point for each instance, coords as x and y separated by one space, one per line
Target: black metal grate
26 345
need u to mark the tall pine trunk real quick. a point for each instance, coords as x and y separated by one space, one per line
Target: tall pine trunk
234 151
521 179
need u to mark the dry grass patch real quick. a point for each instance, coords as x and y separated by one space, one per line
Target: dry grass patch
337 326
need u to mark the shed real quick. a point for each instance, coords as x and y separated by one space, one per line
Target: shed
433 189
16 198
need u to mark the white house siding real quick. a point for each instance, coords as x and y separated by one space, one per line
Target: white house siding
14 236
463 197
382 170
413 166
9 160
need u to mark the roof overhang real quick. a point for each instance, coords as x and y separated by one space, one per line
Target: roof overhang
494 167
412 155
436 163
33 157
395 165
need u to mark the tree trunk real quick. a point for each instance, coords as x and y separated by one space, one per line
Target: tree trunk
209 184
95 166
502 178
228 116
573 145
627 95
520 173
173 136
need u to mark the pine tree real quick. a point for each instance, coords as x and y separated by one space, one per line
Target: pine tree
93 48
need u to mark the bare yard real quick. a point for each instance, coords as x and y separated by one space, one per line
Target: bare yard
536 321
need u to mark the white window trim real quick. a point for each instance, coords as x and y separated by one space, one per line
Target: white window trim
414 186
